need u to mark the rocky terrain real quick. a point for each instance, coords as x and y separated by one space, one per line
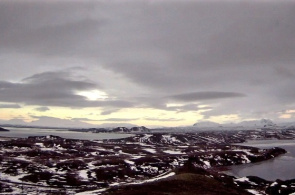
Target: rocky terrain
141 129
54 165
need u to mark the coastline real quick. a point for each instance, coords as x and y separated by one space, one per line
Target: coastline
117 162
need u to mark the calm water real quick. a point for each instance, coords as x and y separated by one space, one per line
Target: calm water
282 167
26 132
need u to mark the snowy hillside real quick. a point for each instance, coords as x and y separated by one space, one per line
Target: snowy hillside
251 124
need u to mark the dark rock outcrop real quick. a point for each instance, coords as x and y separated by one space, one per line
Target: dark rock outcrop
2 129
133 129
140 129
120 130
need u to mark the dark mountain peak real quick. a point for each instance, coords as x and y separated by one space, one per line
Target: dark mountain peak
121 129
140 129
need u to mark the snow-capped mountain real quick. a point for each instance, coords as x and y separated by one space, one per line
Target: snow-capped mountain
257 123
252 124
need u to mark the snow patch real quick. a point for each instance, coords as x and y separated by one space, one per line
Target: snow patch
163 176
92 192
173 152
150 150
242 179
129 162
83 175
254 192
273 184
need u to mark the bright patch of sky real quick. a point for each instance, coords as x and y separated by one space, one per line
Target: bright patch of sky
93 95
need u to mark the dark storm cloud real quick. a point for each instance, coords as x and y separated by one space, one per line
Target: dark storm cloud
205 95
42 109
54 89
9 106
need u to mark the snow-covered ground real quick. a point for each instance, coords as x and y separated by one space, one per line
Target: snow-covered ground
53 162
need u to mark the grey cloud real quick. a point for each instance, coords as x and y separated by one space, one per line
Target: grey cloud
5 84
57 122
192 107
9 105
191 44
182 108
54 89
284 72
119 119
162 103
222 50
190 47
109 111
255 106
162 119
82 119
107 119
42 109
205 95
32 26
66 39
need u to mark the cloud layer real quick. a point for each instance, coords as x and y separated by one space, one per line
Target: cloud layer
216 57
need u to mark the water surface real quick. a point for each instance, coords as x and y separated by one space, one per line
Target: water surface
26 132
281 167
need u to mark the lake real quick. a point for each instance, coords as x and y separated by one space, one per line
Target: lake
26 132
282 167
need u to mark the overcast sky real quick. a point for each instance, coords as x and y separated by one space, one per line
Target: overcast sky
147 62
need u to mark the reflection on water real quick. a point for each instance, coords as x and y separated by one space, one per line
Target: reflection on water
281 167
26 132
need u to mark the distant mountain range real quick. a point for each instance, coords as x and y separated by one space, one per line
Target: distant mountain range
51 122
141 129
60 123
263 123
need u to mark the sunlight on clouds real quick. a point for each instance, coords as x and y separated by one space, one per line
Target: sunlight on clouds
9 114
93 95
203 106
285 116
174 105
4 116
65 113
141 116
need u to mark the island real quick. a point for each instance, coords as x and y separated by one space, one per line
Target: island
2 129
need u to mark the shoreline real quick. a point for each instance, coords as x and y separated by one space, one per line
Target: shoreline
118 162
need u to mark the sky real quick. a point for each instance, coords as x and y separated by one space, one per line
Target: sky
146 62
